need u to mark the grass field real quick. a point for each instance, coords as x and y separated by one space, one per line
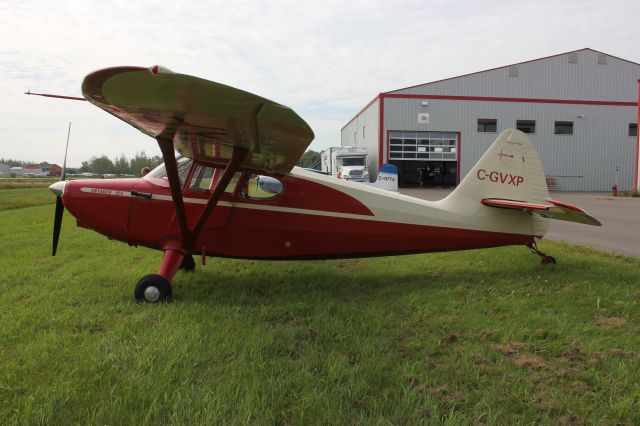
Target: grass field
476 337
10 183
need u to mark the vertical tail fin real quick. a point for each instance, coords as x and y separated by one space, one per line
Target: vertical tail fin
510 169
510 176
387 178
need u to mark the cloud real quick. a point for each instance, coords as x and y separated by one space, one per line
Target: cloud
324 59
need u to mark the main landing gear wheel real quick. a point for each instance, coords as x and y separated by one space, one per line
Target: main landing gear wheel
153 288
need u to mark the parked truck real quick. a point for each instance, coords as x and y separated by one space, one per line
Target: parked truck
346 162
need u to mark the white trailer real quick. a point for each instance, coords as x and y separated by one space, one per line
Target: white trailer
346 162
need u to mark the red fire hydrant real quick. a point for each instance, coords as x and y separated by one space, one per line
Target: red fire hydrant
614 188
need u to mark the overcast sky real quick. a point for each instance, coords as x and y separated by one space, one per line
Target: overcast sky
325 59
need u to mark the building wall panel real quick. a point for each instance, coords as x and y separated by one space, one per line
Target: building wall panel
598 154
352 133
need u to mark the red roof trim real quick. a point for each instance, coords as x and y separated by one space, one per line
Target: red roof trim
637 183
499 99
361 111
380 132
510 65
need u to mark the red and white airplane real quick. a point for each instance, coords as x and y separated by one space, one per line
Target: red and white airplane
233 190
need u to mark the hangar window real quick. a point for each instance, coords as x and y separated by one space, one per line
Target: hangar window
487 125
633 129
563 128
602 59
423 146
526 126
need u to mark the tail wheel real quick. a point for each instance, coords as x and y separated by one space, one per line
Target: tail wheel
153 288
548 260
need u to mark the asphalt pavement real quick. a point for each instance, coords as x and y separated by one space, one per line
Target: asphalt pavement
620 218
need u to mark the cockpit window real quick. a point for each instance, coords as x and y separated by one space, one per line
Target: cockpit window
161 173
204 178
260 187
201 179
233 182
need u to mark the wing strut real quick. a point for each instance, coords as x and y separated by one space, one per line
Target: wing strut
232 166
166 146
189 236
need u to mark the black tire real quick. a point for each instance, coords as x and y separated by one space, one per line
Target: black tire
153 288
188 264
548 260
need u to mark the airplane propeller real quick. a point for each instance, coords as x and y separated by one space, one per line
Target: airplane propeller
58 189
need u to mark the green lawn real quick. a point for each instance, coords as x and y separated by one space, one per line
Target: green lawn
476 337
25 196
12 183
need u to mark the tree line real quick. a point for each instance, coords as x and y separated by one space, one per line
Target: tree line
122 165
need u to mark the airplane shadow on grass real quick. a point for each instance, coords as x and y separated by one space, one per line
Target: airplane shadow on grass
272 283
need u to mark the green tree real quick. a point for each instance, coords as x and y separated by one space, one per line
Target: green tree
310 159
121 165
101 165
141 160
13 163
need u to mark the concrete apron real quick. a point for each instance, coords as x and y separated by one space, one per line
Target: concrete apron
620 217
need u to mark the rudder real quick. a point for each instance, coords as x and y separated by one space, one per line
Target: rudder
510 169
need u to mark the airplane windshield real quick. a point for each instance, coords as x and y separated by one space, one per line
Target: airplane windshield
161 173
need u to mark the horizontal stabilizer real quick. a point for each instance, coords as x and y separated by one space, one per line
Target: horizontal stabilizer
565 211
513 204
554 210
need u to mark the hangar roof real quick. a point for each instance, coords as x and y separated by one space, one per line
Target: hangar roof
586 49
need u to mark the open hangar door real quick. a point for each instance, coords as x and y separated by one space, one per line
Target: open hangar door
425 159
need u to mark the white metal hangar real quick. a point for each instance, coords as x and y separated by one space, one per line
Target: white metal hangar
580 109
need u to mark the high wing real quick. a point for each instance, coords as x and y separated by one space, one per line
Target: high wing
206 121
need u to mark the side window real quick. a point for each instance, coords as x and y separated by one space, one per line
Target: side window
232 183
203 176
201 180
260 187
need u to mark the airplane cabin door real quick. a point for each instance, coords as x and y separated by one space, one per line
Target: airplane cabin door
197 192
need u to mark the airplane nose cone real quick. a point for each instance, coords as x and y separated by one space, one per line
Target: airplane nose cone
58 188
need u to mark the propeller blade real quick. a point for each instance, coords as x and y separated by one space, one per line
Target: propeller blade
58 189
63 176
57 224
